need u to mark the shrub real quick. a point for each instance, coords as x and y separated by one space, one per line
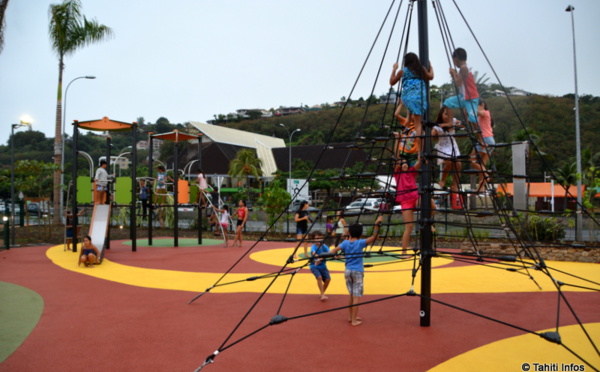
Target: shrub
539 228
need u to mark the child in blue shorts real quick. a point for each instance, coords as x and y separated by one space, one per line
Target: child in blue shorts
318 265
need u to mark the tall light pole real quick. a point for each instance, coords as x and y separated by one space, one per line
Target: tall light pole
578 214
62 151
12 175
118 160
290 157
289 183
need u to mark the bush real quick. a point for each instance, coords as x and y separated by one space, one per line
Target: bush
540 228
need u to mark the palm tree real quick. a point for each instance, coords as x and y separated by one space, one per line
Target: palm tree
482 84
3 6
69 30
245 164
567 176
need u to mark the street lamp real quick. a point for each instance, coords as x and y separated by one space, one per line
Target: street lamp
118 159
62 145
291 135
579 217
289 183
12 175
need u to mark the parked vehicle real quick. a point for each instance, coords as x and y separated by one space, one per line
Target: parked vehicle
296 205
364 205
34 209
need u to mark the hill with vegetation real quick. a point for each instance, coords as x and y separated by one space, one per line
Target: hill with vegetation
548 121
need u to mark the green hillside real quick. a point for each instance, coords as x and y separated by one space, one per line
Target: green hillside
550 120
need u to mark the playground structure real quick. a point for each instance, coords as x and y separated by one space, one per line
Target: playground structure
180 197
125 190
100 223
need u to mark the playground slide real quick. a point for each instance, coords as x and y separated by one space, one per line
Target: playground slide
99 226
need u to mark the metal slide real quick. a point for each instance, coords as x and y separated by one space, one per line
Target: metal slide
99 226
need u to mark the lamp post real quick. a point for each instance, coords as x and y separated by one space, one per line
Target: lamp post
289 170
290 158
62 150
118 159
12 175
578 214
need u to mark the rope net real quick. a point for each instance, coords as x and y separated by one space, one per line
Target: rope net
475 215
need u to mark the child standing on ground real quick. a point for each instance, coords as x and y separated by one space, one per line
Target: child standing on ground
144 197
468 96
242 217
302 219
317 265
341 228
161 192
355 271
414 88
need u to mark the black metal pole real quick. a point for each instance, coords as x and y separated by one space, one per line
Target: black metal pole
200 197
175 195
425 180
12 183
151 206
132 214
74 180
108 192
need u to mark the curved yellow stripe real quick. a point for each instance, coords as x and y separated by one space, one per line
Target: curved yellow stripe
396 279
511 354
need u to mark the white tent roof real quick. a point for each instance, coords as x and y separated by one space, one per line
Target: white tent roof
261 143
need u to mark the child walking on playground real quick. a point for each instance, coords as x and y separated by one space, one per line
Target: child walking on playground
414 89
355 271
242 217
224 223
302 219
318 265
468 96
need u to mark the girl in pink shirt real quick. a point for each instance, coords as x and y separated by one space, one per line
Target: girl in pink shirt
407 195
485 145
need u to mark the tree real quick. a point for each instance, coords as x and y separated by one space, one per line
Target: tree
3 6
482 84
567 176
275 199
163 125
69 30
244 165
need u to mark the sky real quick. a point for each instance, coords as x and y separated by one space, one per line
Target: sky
188 60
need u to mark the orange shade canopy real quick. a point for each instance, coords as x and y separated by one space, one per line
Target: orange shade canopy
175 136
104 124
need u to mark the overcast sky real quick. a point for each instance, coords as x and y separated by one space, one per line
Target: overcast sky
188 60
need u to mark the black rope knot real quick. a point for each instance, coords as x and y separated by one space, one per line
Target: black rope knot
278 319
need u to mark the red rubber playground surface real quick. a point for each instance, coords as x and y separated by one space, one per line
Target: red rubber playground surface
131 314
